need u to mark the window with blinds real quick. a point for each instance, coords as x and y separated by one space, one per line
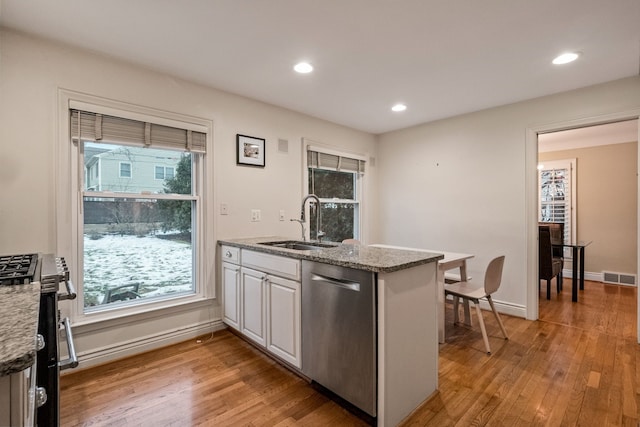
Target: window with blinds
321 160
140 209
336 179
557 195
88 126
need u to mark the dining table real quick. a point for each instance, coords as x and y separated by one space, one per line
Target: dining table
452 261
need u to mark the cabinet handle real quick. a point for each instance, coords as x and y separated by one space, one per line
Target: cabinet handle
227 254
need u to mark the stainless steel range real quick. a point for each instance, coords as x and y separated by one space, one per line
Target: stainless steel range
51 272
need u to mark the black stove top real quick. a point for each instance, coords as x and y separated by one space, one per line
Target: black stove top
17 269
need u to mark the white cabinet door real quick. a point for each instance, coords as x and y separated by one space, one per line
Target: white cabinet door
283 324
231 294
253 313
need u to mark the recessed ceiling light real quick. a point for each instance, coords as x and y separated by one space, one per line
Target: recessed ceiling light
565 58
303 67
399 107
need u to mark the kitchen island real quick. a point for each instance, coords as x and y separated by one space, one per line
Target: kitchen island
262 286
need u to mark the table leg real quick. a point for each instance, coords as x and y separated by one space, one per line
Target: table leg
464 277
574 279
581 269
440 279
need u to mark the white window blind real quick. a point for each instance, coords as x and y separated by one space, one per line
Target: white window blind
320 160
89 126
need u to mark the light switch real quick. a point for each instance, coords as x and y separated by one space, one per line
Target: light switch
281 216
255 215
224 209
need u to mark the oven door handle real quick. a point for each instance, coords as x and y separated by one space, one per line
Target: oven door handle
72 361
71 291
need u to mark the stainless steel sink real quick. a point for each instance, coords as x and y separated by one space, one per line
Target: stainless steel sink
298 245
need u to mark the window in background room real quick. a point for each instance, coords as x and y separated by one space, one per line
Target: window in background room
336 180
137 239
557 195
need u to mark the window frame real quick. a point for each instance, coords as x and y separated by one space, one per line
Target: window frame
164 172
359 185
69 205
120 164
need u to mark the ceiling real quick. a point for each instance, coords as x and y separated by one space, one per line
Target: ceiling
440 57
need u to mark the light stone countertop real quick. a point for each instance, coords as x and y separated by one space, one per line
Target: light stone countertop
19 305
360 257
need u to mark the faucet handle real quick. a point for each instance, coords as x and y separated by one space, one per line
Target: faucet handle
320 235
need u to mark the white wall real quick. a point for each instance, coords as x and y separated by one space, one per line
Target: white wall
32 71
459 184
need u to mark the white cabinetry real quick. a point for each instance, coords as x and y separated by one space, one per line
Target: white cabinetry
231 286
231 294
17 398
261 299
283 312
254 306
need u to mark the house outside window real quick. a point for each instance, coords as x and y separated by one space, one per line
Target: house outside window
336 178
138 239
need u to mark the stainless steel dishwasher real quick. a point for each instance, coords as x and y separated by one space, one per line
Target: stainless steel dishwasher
339 332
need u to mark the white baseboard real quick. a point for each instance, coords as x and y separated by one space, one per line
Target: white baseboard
110 353
590 275
506 308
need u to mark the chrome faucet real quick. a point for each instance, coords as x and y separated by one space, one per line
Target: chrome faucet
303 220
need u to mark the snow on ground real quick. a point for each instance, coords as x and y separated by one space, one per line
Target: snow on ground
157 266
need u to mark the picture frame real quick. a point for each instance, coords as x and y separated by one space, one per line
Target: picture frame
250 151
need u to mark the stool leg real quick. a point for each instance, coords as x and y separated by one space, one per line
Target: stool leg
455 309
482 327
495 313
467 312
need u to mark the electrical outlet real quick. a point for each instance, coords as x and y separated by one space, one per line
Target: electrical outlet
224 209
281 217
255 215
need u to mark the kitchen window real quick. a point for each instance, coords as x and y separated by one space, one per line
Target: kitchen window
139 235
336 178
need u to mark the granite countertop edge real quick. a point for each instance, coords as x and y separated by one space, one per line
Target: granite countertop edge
19 306
374 259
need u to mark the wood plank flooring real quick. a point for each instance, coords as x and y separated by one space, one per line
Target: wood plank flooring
577 365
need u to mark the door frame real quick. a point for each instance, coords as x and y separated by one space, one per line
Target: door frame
531 193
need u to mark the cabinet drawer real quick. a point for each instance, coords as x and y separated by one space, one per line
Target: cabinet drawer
288 268
230 254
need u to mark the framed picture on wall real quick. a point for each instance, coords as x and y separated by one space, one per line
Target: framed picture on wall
250 151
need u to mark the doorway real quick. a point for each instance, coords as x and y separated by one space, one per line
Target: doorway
532 198
596 199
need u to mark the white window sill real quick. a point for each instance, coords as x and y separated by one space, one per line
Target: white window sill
122 317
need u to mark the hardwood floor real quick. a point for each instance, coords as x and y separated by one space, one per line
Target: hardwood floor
577 365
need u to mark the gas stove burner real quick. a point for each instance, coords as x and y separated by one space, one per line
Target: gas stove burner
17 269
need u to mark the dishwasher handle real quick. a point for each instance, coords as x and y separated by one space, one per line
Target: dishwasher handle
345 284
